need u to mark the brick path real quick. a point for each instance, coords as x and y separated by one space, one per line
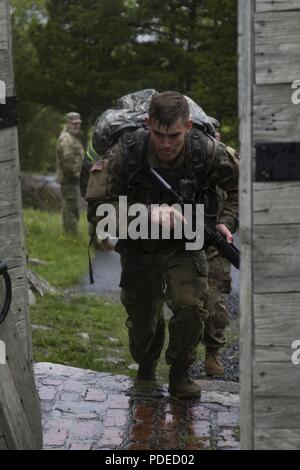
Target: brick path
83 409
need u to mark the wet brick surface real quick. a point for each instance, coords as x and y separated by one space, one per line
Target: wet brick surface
87 410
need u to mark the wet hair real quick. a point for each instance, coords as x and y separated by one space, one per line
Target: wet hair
167 107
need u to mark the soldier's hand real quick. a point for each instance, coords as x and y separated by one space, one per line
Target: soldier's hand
167 216
225 231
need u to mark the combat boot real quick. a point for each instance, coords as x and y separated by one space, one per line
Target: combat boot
181 386
213 364
146 371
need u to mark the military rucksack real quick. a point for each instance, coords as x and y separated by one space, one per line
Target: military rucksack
120 124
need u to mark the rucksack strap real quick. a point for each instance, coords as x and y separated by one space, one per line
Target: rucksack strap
135 145
202 149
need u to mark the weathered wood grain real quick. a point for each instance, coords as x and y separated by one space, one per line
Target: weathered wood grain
18 432
4 37
276 326
19 285
277 39
12 250
277 439
276 239
8 143
277 413
280 380
8 188
246 72
276 117
20 418
277 273
276 5
276 203
21 374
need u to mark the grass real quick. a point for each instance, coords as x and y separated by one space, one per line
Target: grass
66 255
102 321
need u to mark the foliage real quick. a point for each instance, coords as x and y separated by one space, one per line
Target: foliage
38 124
83 54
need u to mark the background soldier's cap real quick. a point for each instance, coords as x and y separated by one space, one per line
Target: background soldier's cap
73 117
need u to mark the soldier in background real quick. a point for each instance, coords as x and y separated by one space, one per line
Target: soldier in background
70 153
219 276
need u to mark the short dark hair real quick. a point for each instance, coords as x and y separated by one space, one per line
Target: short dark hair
167 107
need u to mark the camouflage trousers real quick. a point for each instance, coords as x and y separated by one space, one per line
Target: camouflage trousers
70 207
219 281
147 281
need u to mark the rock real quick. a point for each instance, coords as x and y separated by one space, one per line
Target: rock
113 360
40 327
133 366
38 285
43 192
40 192
37 262
112 340
84 336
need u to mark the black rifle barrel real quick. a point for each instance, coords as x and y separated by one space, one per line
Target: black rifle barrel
228 250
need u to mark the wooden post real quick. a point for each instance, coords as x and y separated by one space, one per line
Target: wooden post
246 69
270 228
20 419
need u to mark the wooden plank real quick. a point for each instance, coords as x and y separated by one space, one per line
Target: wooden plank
246 73
11 247
277 5
277 380
22 377
275 203
3 27
8 188
277 273
6 48
277 413
276 118
269 240
18 432
277 439
8 143
277 39
19 300
276 326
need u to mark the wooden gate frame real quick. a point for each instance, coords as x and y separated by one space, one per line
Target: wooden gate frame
20 417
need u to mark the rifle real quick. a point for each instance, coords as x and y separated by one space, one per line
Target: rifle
211 234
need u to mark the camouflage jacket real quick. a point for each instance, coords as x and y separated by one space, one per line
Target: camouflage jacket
70 153
112 174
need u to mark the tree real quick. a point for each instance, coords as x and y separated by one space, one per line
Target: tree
81 55
78 54
37 124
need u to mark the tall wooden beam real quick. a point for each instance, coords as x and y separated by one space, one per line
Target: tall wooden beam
246 74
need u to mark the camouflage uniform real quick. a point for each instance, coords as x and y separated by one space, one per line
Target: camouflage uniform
69 157
219 273
156 270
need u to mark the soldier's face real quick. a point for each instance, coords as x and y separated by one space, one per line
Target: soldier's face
168 141
74 127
